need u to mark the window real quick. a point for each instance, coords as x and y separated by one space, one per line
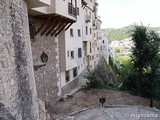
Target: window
90 57
103 41
77 11
72 54
86 30
68 53
79 33
67 76
74 72
90 31
79 52
71 32
90 47
90 14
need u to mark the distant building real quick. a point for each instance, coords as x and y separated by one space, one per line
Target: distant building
125 47
103 47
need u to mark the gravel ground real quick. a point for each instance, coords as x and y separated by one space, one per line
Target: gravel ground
89 99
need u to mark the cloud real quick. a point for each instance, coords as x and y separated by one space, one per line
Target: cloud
145 11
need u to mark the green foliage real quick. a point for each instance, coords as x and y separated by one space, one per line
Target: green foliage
100 77
126 67
93 80
146 63
122 33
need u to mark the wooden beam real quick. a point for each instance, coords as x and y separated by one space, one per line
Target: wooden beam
58 21
53 25
61 28
39 29
57 27
68 26
48 25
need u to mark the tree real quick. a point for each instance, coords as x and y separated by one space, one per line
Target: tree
146 60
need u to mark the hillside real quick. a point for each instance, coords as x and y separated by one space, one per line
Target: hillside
121 33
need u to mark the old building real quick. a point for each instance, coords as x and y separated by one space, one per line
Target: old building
45 45
47 27
79 47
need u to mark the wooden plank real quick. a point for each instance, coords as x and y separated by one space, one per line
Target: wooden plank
60 29
57 26
46 28
68 26
43 24
53 26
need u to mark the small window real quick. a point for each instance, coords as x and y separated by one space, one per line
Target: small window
75 72
79 52
90 14
72 54
90 47
86 30
67 76
79 33
90 57
71 32
68 53
90 31
77 11
103 41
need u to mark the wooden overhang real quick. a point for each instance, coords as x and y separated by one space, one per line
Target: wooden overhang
53 24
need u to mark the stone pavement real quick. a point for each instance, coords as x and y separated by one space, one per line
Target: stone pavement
116 113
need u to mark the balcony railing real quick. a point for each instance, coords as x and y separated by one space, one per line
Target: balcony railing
72 10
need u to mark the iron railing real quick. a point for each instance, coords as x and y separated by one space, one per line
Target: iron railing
72 10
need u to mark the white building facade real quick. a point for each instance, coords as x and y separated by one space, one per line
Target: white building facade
82 39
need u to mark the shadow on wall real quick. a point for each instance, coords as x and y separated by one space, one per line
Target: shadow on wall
5 114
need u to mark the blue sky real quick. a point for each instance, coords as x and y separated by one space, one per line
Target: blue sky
120 13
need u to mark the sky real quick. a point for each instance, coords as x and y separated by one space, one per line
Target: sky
121 13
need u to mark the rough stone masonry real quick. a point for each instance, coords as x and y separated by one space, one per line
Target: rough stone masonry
18 97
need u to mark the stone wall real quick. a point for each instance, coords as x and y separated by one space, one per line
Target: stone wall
48 76
70 86
18 98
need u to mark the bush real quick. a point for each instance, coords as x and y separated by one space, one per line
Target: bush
100 77
93 80
129 84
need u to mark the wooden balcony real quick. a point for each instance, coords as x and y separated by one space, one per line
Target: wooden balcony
52 24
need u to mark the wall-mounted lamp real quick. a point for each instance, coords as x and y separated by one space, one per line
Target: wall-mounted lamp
44 59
